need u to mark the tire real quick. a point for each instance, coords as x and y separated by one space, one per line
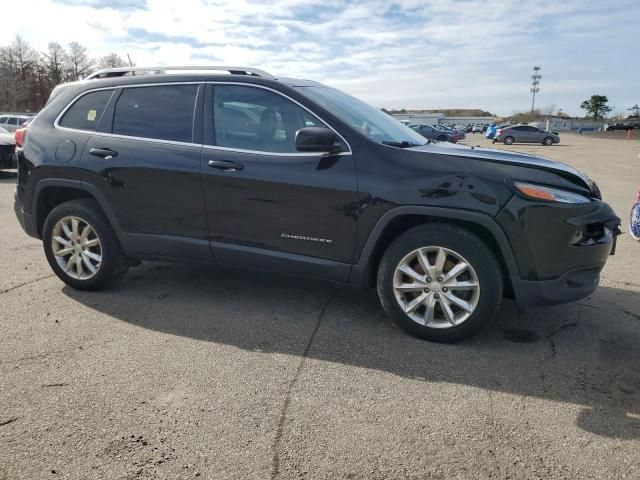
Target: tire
453 240
508 140
442 138
548 141
634 222
112 264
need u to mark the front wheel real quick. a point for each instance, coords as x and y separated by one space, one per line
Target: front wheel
548 141
508 140
439 282
634 222
81 246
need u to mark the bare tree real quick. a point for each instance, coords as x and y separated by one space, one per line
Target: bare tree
55 60
113 60
79 64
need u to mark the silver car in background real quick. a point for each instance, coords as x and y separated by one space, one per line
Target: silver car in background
525 134
12 122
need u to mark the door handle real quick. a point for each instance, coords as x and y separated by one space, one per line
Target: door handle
105 153
226 165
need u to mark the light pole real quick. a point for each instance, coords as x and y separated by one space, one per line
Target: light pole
535 88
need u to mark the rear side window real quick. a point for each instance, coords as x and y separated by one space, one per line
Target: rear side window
86 112
13 121
3 119
164 112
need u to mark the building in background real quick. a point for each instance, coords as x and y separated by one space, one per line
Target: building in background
434 119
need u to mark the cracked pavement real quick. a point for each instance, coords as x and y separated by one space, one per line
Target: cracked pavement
196 372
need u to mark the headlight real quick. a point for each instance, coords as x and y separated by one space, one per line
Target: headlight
550 194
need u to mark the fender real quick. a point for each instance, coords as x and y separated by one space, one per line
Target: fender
360 271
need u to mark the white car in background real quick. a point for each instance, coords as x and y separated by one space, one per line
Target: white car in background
7 148
13 122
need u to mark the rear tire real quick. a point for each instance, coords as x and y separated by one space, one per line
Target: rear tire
508 140
548 141
442 138
450 319
84 261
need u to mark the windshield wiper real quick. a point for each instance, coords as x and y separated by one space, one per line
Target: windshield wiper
402 144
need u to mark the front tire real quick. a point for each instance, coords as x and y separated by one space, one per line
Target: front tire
548 141
81 246
439 282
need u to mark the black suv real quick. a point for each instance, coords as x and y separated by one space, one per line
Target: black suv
247 170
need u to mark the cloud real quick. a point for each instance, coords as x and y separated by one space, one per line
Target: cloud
403 53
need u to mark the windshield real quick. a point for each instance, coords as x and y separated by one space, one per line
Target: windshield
368 120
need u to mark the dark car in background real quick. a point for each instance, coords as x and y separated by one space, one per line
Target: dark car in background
525 134
433 133
244 169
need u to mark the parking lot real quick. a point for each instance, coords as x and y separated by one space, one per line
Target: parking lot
186 371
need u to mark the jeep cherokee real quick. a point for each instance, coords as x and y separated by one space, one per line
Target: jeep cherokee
248 170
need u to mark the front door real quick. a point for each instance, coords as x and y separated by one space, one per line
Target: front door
268 205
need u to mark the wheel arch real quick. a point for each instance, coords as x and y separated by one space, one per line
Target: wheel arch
50 193
398 220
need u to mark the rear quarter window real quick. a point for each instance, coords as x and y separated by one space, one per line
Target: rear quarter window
85 113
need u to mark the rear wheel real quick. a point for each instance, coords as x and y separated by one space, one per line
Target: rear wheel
442 138
548 141
439 282
508 140
81 246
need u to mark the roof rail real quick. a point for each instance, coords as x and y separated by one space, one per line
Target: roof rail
122 71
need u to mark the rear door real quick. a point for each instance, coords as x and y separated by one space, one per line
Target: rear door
145 161
269 205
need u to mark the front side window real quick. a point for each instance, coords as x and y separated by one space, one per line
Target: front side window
86 112
164 112
250 118
3 119
13 121
368 120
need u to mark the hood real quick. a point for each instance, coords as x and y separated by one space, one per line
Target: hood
510 158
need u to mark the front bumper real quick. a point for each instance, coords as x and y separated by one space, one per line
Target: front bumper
560 248
573 285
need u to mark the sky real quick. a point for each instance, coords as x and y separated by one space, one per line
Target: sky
396 54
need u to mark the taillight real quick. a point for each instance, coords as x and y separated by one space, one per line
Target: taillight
19 136
499 132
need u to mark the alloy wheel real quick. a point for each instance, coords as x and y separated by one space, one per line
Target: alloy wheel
76 247
436 287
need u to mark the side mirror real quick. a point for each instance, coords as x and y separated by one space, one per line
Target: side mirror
317 139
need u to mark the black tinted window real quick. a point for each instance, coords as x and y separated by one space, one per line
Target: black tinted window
13 121
163 112
250 118
86 112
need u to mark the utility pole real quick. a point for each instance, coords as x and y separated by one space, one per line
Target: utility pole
535 88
